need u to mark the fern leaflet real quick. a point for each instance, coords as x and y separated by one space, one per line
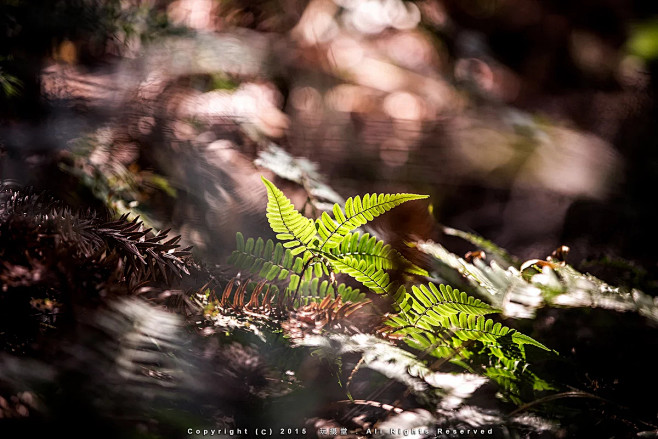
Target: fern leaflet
437 302
377 280
358 211
374 252
288 223
267 260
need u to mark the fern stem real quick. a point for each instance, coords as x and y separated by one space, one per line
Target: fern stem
351 377
571 394
303 273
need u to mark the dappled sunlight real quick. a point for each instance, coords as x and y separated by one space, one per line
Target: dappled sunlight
312 216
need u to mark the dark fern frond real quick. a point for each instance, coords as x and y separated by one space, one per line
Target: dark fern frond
268 260
148 256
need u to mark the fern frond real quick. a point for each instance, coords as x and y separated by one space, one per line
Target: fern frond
471 327
267 260
288 223
516 381
377 280
439 320
436 302
358 211
315 290
276 265
374 252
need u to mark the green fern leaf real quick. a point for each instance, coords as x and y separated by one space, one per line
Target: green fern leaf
445 301
377 280
358 211
364 247
472 327
315 290
349 294
288 223
269 261
441 320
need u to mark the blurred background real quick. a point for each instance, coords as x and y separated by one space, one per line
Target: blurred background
531 123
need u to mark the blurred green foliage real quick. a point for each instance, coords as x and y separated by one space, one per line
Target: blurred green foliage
643 40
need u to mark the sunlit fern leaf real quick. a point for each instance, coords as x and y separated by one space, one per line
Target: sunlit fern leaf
505 289
276 265
377 280
427 314
288 223
436 302
374 252
358 211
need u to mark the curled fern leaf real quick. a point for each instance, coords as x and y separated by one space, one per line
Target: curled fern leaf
358 211
288 223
